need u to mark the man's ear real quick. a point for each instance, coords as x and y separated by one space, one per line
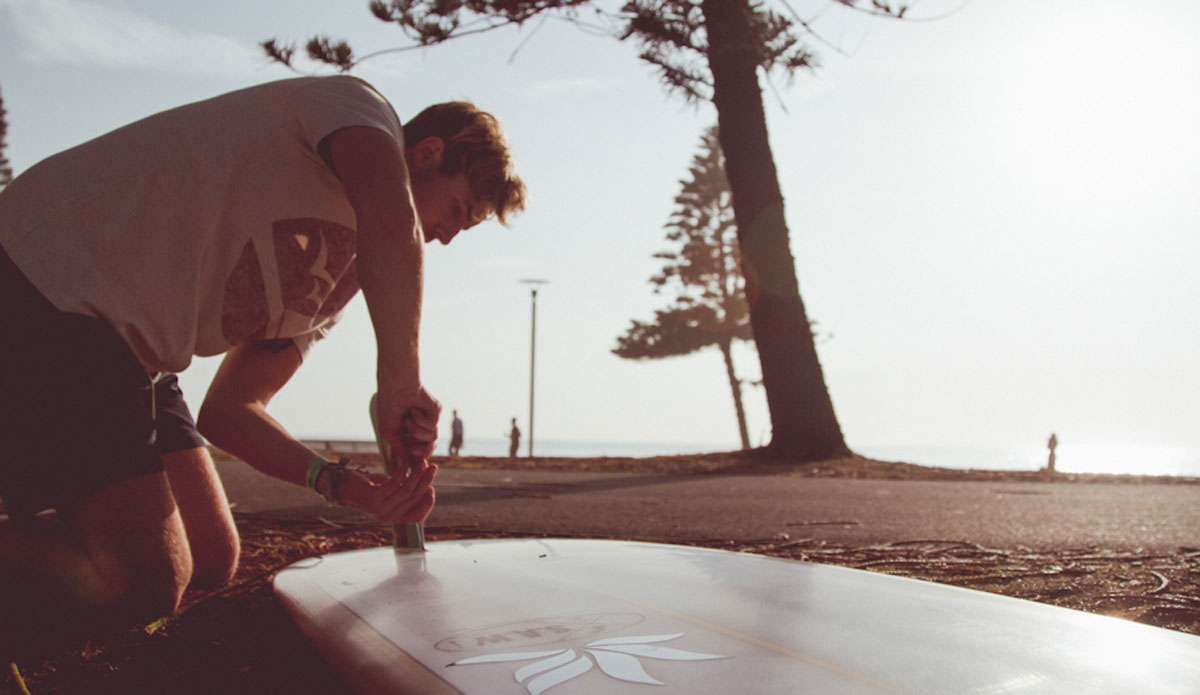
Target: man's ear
426 155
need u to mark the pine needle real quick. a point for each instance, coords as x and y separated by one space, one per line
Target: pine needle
156 625
16 673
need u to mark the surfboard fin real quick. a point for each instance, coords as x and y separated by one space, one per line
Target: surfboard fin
405 537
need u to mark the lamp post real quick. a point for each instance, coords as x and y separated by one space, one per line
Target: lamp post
533 290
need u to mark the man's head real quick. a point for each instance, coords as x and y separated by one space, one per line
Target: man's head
461 168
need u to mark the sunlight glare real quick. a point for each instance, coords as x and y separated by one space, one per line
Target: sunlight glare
1131 459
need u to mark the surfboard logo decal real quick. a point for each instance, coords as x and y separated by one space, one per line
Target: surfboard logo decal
539 634
617 657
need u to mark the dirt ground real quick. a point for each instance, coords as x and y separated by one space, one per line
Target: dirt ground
238 640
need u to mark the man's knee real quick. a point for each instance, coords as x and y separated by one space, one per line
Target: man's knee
136 542
215 559
149 590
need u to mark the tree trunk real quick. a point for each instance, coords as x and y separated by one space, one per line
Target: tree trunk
803 423
736 387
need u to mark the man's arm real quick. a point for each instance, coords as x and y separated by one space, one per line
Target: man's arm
234 414
390 257
234 417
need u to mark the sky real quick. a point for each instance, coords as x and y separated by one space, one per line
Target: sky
993 212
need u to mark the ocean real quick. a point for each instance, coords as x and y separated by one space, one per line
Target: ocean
1136 460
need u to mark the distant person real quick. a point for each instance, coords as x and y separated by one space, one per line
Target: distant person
456 435
514 439
1052 444
239 225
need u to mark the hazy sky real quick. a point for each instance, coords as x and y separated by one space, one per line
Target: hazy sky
994 214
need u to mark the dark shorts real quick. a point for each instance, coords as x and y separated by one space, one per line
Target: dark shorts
175 430
77 409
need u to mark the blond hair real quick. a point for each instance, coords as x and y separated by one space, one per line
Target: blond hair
474 144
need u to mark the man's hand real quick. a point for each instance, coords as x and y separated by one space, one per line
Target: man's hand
397 499
407 421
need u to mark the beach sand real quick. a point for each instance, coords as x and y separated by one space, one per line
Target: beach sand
237 640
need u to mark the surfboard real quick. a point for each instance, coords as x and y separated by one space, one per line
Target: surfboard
583 617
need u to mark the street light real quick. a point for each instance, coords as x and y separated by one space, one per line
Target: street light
533 290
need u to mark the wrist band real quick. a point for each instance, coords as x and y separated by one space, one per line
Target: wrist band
314 471
337 476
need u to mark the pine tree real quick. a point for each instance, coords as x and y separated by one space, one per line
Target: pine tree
6 172
704 270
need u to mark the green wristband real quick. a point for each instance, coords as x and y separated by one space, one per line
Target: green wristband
314 471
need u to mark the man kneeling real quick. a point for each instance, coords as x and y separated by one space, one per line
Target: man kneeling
240 225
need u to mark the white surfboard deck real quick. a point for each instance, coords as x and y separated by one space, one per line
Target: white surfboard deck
584 617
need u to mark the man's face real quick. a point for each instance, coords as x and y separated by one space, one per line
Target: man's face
445 205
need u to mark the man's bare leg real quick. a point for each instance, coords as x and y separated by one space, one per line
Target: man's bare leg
211 533
118 558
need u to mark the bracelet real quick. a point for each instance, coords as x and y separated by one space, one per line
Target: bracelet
314 472
337 475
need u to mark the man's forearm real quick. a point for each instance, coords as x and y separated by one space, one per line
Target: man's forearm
371 166
390 270
247 432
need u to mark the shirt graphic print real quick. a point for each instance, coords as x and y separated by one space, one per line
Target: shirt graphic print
309 277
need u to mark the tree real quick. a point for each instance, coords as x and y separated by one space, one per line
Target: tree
706 50
710 308
6 172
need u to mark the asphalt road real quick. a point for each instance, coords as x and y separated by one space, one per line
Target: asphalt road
1039 516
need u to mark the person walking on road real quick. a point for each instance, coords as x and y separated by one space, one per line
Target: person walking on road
456 434
514 439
